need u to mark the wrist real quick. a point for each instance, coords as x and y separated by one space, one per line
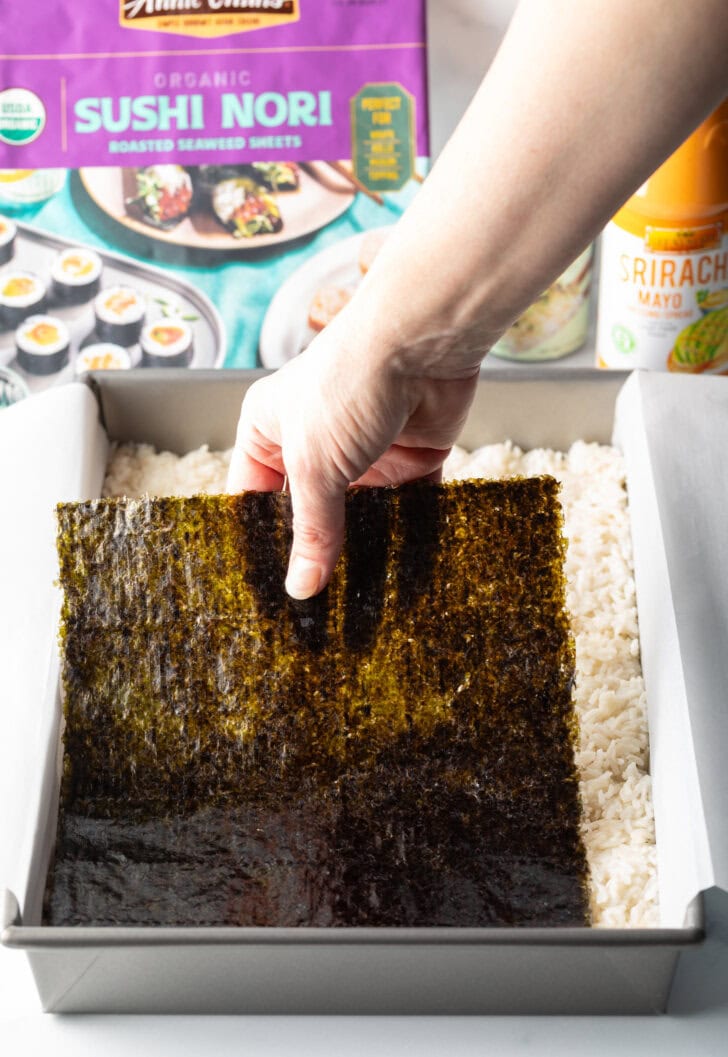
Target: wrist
388 328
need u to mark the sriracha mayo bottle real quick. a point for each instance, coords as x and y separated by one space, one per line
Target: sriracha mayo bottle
663 289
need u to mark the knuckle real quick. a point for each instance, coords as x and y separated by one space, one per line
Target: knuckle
245 420
257 430
252 401
309 474
312 538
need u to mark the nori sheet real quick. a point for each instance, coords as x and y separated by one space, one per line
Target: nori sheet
397 751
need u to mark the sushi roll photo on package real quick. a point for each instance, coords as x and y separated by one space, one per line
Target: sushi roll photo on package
198 185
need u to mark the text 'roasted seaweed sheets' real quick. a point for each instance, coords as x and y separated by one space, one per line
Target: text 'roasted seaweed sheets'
398 751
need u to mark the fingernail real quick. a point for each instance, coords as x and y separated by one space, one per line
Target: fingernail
304 577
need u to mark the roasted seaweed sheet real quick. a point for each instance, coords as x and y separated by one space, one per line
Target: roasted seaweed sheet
398 751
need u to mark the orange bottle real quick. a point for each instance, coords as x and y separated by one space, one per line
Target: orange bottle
663 291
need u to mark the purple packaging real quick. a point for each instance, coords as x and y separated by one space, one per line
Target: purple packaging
245 147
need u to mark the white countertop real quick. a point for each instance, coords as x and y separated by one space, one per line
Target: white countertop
464 35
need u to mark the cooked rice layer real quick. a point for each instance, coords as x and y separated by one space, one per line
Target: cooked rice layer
613 757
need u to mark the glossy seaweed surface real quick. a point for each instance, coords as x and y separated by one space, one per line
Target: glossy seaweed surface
397 751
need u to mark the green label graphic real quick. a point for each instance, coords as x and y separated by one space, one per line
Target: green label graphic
383 136
22 116
623 338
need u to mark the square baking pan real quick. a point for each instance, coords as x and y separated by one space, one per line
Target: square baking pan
428 970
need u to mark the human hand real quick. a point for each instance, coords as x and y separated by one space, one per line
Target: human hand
340 415
517 194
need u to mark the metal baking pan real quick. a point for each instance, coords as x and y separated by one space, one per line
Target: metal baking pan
342 971
34 252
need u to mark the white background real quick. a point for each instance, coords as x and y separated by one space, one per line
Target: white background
463 37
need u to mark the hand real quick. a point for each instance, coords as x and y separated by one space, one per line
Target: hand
519 191
335 416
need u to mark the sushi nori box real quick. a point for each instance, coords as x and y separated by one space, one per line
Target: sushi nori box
287 132
66 309
388 969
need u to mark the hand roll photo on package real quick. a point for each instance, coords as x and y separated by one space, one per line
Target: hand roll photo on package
197 183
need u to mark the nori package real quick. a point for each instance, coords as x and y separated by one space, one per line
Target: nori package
225 159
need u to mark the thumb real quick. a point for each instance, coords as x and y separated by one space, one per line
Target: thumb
318 532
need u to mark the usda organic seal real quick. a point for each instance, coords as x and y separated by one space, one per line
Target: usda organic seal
22 116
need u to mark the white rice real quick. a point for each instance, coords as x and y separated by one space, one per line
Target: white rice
135 470
613 756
